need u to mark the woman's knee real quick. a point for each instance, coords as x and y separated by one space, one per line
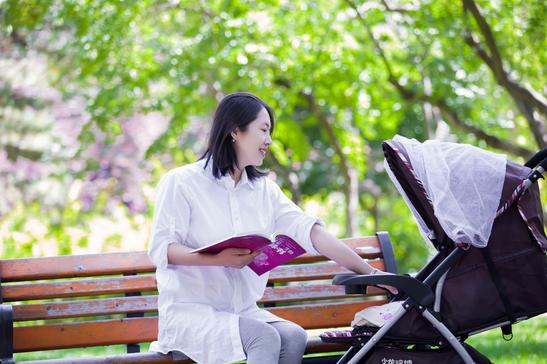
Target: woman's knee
291 333
257 333
299 334
270 334
293 342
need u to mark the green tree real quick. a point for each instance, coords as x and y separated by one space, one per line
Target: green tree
342 76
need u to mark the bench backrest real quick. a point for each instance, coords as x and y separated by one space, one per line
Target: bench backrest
105 299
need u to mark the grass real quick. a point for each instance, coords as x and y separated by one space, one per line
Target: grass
528 346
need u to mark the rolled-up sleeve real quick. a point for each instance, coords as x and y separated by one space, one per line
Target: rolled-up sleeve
171 219
291 220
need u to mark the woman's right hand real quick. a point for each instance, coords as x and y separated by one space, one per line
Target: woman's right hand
235 257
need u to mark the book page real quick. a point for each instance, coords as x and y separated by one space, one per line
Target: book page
249 241
283 249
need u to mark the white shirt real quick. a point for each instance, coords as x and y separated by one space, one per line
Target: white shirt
199 306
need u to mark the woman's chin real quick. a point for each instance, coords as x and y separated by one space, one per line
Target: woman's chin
257 162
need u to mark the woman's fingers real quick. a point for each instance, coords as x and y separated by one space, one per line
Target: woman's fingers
391 289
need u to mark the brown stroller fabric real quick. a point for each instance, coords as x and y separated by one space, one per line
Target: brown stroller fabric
470 298
483 288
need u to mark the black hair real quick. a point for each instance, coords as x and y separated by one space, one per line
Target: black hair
235 110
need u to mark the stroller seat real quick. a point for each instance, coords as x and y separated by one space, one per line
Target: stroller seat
353 337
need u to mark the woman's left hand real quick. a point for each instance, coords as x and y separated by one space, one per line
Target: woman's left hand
391 289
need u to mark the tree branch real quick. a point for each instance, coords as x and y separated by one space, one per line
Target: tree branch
454 120
398 9
450 114
351 187
13 152
487 33
371 35
524 99
328 127
292 185
350 177
325 122
493 141
517 92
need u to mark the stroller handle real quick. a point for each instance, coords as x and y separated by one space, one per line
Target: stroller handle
538 164
540 158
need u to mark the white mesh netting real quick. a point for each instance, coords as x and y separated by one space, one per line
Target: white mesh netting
463 182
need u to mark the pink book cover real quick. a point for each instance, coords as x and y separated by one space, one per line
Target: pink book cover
282 249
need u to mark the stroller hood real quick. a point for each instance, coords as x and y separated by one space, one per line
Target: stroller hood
462 183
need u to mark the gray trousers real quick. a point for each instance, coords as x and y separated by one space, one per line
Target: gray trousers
280 342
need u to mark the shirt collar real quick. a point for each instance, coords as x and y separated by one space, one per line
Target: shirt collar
226 181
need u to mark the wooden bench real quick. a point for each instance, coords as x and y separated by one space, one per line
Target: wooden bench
106 299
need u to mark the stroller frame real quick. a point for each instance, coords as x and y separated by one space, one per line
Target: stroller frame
420 294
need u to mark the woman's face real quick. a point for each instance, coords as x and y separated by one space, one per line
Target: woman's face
251 145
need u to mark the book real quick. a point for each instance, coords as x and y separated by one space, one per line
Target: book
276 250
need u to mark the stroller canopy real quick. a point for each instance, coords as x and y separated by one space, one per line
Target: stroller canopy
462 183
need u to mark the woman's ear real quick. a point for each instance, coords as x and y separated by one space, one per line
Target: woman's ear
234 134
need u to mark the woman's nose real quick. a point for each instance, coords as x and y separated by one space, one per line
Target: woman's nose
268 139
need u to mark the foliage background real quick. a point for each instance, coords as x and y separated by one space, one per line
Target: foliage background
99 98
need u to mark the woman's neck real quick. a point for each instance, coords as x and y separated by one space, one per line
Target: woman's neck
236 174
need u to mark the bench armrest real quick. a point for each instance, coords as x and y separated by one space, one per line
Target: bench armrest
6 333
414 289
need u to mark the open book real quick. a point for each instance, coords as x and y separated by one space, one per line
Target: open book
276 250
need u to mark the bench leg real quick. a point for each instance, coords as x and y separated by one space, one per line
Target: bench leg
6 334
322 360
133 348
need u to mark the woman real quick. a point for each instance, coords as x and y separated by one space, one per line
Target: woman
207 302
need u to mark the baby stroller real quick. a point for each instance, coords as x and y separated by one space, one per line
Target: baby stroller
482 277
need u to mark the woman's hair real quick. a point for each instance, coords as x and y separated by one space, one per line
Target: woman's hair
236 110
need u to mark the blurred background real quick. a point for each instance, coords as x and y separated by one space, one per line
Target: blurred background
99 98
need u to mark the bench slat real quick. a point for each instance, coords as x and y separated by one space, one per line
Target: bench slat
135 304
79 288
82 334
83 308
305 272
313 346
146 283
144 329
310 292
69 266
136 358
87 265
319 316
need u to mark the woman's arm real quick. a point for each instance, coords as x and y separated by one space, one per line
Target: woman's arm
326 244
231 257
